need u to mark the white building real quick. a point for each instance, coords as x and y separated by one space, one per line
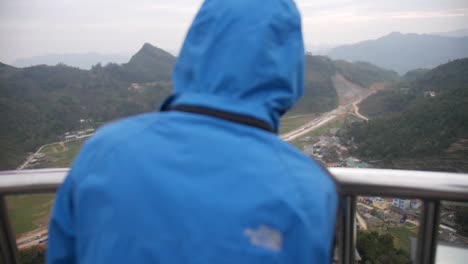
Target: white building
416 204
70 138
401 203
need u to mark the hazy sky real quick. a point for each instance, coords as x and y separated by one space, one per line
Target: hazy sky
37 27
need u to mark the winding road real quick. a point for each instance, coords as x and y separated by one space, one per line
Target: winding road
326 118
356 112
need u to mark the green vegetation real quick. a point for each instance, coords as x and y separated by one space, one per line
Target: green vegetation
409 122
409 225
364 74
34 255
414 75
375 248
318 132
40 103
28 212
388 103
61 156
319 93
461 218
149 64
401 235
290 123
324 129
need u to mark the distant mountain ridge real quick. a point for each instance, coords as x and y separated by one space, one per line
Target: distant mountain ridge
80 60
404 52
455 33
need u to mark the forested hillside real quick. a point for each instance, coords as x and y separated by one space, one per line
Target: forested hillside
39 103
319 92
364 74
417 118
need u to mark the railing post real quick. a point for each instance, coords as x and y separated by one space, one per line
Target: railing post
347 232
7 239
428 231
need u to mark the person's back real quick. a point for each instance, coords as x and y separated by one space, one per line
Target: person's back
206 180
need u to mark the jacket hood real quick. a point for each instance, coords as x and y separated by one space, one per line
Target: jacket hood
242 56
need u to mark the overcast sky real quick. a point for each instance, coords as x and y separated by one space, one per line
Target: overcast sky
37 27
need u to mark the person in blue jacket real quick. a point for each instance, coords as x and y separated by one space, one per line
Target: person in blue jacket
206 180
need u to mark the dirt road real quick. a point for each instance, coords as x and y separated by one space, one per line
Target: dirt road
33 238
350 95
361 221
326 118
312 125
22 166
356 112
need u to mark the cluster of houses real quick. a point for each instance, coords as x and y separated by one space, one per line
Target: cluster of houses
329 150
140 87
430 94
37 157
379 212
77 135
135 87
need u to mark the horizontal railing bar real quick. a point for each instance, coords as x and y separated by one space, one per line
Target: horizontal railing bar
31 181
352 181
402 183
429 186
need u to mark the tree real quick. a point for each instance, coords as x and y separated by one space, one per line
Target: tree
33 255
461 218
407 124
379 249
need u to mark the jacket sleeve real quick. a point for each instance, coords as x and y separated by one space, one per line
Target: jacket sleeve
61 243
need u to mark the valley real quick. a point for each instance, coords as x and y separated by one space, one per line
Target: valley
351 115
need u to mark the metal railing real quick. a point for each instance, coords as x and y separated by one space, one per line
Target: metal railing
430 187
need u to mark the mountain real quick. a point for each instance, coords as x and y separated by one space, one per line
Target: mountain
364 73
149 63
318 49
414 75
404 52
423 118
320 93
79 60
40 103
456 33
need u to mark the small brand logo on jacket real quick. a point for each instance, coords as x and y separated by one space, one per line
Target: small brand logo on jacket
265 237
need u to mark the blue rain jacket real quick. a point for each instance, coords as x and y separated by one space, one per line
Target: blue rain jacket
178 187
